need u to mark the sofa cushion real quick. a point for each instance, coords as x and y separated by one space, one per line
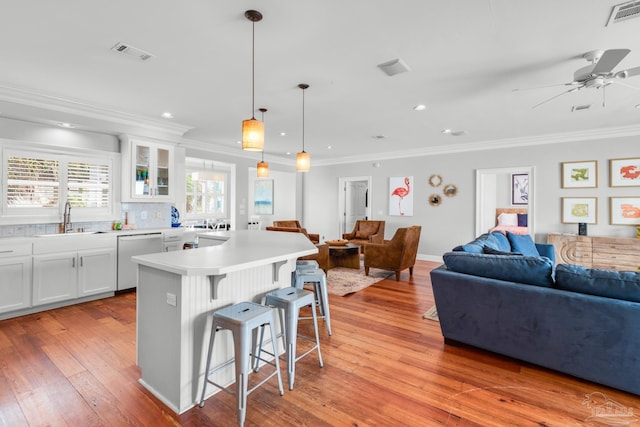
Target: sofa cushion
522 243
501 240
512 268
624 285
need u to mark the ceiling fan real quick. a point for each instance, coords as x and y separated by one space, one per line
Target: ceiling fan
599 74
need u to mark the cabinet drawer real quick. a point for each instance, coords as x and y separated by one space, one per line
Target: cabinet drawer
17 249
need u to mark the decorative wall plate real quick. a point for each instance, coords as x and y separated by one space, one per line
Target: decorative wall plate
435 180
450 190
435 200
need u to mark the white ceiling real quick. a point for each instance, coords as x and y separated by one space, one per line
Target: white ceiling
466 58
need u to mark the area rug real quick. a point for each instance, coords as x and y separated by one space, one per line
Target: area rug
344 281
431 314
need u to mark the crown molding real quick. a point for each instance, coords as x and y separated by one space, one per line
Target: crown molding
559 138
79 108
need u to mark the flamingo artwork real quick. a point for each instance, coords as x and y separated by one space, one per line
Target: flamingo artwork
402 192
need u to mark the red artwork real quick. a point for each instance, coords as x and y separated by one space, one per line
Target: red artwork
402 192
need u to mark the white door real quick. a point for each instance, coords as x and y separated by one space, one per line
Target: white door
355 202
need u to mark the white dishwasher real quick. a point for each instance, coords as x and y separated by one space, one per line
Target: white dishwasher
132 245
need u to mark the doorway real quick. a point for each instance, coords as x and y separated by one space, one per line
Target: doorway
489 186
354 201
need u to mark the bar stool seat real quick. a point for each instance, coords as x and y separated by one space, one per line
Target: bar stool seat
242 319
319 279
290 301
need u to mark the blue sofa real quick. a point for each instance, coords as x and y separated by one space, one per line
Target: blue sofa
580 321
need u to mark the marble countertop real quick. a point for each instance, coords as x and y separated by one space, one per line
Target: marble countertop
241 250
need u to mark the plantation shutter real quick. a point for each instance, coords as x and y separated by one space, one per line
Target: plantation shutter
88 184
32 182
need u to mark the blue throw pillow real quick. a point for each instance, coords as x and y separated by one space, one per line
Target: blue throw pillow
522 220
624 285
502 241
511 268
522 243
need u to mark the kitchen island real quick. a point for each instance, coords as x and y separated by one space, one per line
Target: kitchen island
177 291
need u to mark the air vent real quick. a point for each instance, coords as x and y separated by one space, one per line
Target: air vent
127 49
393 67
580 107
624 11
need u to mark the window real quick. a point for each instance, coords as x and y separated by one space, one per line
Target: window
39 184
206 190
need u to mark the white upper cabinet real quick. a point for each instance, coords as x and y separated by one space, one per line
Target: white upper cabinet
148 171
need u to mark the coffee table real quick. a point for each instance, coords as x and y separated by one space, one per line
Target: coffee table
344 256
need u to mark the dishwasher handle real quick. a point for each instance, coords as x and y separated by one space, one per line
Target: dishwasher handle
140 236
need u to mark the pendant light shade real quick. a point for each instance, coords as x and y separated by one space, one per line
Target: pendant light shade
263 167
252 129
303 159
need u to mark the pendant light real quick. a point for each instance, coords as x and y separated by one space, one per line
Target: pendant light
252 129
303 160
263 167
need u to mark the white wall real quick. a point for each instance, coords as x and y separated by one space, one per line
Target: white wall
284 195
453 222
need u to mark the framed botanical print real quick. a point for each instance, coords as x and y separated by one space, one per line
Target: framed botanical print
624 210
580 174
520 189
624 172
580 209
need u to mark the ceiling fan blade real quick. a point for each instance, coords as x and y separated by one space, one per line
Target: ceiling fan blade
556 96
609 59
630 72
542 87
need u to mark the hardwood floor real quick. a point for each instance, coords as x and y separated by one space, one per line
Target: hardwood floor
384 366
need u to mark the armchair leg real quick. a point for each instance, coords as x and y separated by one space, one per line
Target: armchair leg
366 270
397 276
411 271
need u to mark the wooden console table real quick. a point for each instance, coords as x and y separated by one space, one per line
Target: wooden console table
611 253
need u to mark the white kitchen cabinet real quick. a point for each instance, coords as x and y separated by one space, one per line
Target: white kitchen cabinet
75 266
15 277
55 277
97 271
148 171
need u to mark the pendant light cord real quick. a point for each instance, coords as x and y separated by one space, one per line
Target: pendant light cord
253 70
303 120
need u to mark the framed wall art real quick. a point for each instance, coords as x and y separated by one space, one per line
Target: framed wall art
579 210
263 197
520 189
624 172
624 210
580 174
401 196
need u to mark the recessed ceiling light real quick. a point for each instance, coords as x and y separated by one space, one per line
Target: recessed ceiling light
288 153
238 142
66 125
167 115
420 107
329 147
454 132
283 134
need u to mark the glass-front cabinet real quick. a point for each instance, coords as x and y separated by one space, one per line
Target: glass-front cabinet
151 171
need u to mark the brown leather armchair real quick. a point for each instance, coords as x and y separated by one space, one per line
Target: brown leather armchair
294 223
395 254
366 231
323 249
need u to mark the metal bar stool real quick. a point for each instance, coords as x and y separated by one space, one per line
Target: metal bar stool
242 319
303 264
319 280
290 301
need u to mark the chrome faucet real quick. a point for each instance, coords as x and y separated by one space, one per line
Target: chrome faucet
66 221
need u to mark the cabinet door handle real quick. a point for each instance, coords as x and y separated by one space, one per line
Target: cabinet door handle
73 262
81 261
